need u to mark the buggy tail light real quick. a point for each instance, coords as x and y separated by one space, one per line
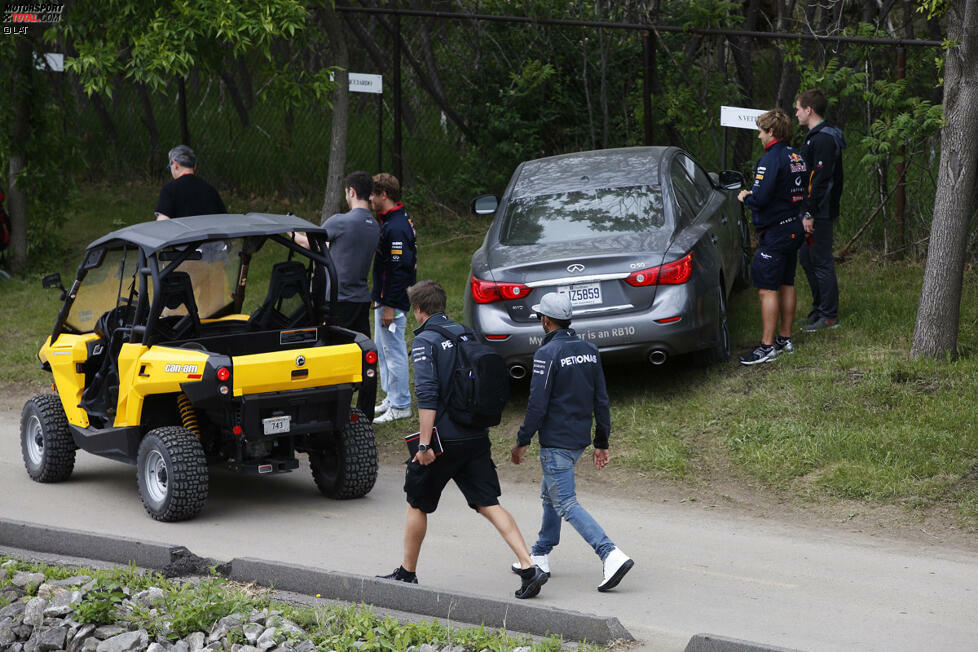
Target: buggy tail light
223 374
370 357
675 273
490 291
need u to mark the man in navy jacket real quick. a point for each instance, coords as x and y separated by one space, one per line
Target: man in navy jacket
776 200
467 456
567 387
822 152
395 270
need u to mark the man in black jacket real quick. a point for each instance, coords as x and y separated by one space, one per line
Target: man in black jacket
467 457
822 152
567 386
395 269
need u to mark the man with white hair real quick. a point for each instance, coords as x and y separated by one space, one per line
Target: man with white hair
567 387
187 194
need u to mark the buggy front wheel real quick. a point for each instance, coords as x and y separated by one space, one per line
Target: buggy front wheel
45 441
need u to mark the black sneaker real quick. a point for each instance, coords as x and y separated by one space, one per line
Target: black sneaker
761 353
401 575
533 578
783 345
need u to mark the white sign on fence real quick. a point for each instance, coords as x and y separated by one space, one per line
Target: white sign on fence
739 117
361 82
364 83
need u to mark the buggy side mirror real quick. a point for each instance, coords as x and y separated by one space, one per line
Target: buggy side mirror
54 281
732 180
484 204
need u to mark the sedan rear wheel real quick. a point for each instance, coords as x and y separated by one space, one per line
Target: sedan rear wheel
720 351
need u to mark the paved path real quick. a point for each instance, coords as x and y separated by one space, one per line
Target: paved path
696 571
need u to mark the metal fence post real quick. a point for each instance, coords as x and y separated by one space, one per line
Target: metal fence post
398 160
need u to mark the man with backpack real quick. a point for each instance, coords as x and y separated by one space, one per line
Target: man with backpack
567 387
467 456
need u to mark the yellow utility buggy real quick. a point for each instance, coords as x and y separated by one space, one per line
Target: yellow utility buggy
160 361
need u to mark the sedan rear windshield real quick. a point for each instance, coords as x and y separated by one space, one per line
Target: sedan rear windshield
582 214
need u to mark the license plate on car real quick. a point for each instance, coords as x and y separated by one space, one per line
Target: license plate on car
277 425
585 294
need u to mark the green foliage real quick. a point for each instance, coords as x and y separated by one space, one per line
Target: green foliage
100 606
166 40
193 607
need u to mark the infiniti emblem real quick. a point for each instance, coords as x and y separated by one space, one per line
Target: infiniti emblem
576 268
301 360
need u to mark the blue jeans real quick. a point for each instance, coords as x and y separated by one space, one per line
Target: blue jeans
560 502
392 358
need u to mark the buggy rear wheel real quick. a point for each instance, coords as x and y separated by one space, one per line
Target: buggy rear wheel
347 468
45 441
171 472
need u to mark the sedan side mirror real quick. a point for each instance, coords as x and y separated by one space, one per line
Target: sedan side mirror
484 204
732 180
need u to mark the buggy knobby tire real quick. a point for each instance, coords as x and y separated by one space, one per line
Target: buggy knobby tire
720 351
347 468
45 441
171 472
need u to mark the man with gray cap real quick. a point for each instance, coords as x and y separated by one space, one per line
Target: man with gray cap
567 387
187 194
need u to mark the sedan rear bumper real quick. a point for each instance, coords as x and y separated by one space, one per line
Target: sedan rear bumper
620 336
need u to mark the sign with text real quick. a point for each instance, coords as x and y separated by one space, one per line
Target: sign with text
364 83
739 117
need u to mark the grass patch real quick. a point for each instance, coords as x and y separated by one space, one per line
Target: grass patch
848 415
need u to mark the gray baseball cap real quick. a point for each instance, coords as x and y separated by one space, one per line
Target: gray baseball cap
554 305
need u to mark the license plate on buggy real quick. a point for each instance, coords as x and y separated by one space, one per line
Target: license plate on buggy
277 425
585 294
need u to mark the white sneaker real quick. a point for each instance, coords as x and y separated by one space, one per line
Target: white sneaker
381 407
394 413
616 564
539 560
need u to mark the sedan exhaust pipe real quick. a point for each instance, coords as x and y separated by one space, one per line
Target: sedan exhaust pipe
517 372
658 357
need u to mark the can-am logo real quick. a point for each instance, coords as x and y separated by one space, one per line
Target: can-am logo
576 268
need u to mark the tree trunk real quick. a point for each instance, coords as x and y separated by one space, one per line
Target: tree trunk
938 315
236 99
182 109
149 121
742 54
20 129
103 115
332 202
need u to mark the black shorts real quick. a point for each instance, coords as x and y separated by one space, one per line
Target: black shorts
468 462
777 256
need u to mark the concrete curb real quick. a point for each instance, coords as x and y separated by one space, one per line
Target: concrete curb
518 615
77 543
514 615
713 643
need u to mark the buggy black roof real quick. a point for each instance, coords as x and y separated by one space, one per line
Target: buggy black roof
157 235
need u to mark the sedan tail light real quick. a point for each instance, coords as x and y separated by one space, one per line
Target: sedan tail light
675 273
490 291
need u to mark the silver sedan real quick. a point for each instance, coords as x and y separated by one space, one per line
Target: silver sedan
647 244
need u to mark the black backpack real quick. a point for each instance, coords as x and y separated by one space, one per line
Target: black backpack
479 387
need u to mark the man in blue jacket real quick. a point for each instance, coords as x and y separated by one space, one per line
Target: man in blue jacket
467 456
567 387
822 152
776 199
395 270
